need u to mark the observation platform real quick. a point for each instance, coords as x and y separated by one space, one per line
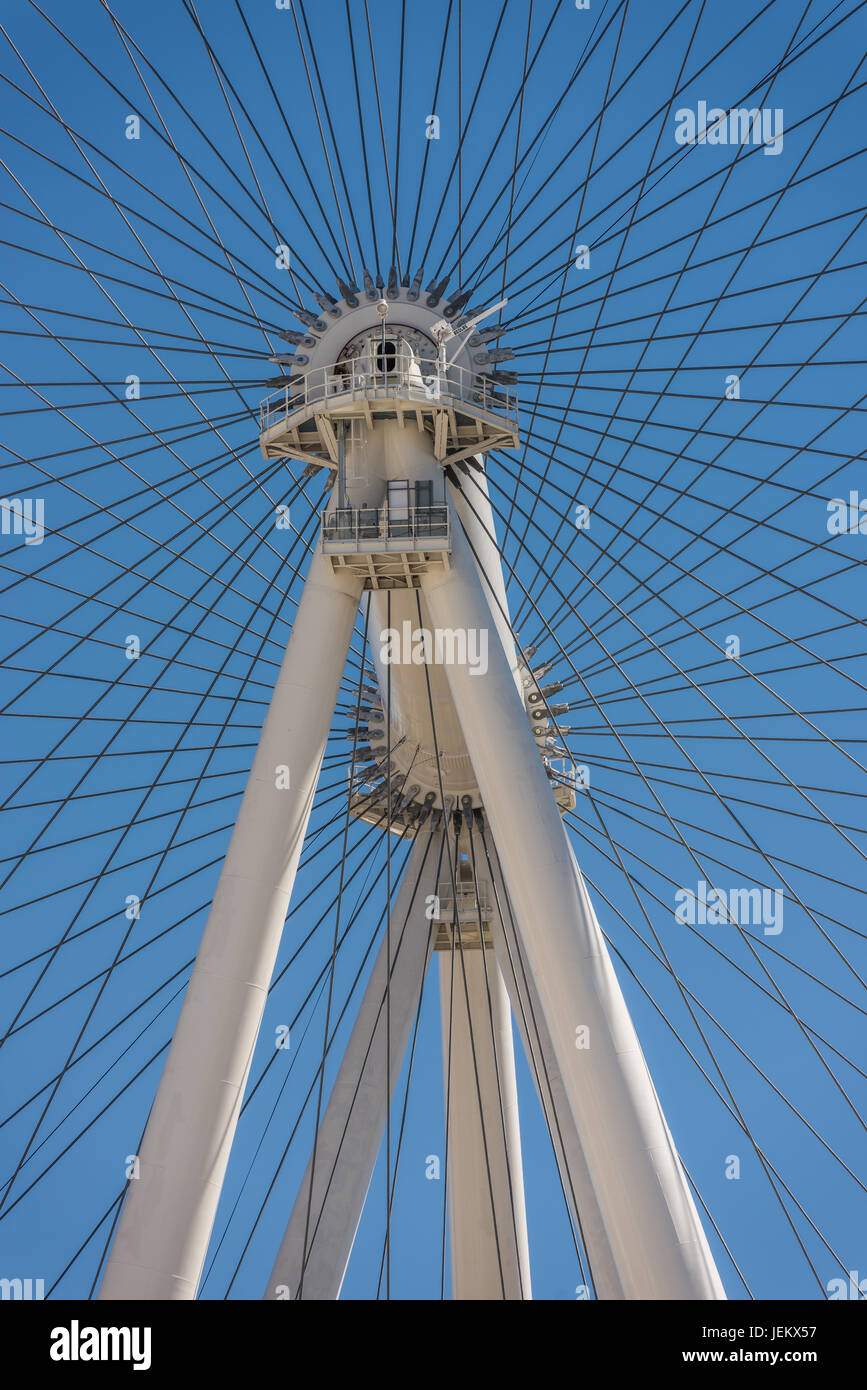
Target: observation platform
471 904
563 775
388 548
465 412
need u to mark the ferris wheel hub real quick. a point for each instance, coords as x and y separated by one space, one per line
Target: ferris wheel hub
348 370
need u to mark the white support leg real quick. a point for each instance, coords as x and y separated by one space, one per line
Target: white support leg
655 1234
487 1217
568 1152
163 1233
353 1124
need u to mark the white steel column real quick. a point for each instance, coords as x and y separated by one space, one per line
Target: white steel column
163 1233
487 1217
658 1243
474 1258
572 1165
351 1130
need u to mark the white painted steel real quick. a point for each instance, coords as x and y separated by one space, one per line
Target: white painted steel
487 1218
658 1243
478 522
165 1226
353 1124
572 1165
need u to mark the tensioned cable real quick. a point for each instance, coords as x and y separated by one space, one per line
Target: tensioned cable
694 574
519 100
391 193
305 861
427 150
182 968
763 1159
742 668
242 628
334 141
81 1249
176 555
578 224
745 937
375 240
314 1083
387 930
120 948
321 982
587 828
463 127
266 288
689 1009
621 247
677 156
348 266
428 955
540 134
536 1059
331 976
755 606
724 804
361 1070
163 138
222 75
681 271
710 312
494 1053
399 109
127 407
521 319
456 933
199 200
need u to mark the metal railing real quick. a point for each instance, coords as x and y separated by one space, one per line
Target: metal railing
470 900
564 772
337 385
362 525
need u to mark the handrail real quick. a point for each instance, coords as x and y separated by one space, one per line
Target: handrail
469 895
565 770
343 525
332 384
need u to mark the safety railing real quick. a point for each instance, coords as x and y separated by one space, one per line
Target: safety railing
564 771
339 384
356 526
470 901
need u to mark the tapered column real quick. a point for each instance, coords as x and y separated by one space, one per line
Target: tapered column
165 1226
656 1237
487 1217
352 1127
572 1165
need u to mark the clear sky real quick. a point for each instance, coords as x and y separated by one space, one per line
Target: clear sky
154 258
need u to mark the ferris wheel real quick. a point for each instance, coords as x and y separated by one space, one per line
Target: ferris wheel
432 551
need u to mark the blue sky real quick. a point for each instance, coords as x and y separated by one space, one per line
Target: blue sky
708 519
